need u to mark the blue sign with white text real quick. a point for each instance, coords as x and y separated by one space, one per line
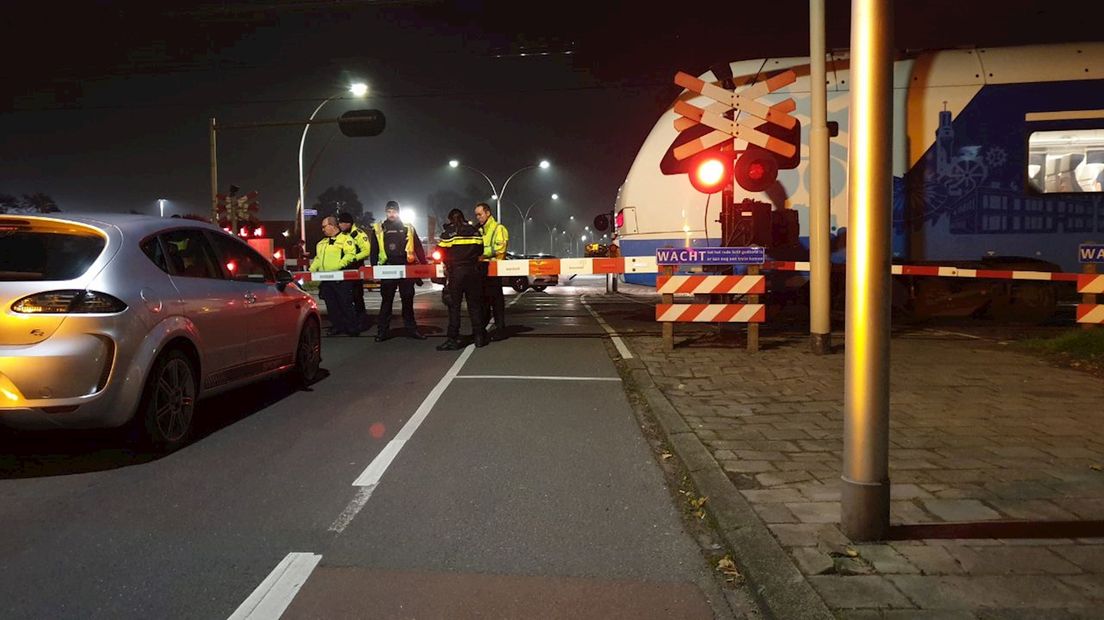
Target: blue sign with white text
1090 253
711 256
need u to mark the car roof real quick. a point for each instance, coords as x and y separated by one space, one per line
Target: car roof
127 223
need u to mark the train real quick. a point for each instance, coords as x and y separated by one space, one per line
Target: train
997 159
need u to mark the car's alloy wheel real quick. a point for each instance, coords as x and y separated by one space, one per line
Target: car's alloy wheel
168 405
308 354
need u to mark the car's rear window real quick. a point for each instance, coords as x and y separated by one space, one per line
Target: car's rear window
33 250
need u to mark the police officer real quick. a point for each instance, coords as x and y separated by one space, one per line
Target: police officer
496 239
462 246
363 251
395 244
336 251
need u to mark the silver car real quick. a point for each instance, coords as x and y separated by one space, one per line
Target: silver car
116 319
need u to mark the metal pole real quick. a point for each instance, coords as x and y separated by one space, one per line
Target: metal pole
214 173
503 192
302 200
820 195
865 498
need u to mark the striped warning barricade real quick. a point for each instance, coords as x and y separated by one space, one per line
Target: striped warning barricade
711 313
715 285
1090 283
1090 313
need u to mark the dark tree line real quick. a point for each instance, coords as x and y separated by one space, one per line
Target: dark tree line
37 202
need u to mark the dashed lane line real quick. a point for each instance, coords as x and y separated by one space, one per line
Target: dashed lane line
272 597
370 477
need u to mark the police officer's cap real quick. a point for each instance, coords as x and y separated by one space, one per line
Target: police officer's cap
345 218
391 204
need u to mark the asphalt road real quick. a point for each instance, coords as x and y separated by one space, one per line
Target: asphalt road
508 481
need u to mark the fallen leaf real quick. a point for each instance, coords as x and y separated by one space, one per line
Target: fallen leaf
728 567
1096 467
851 552
666 455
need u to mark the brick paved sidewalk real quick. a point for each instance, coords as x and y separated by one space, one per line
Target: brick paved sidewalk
977 432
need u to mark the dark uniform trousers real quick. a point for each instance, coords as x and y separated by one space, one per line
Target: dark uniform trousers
361 313
496 302
339 306
406 294
465 281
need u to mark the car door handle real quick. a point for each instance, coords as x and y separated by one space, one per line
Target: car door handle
250 298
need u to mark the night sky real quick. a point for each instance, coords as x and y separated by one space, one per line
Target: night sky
105 105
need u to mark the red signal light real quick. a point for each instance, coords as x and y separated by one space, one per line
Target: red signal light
710 174
756 170
231 266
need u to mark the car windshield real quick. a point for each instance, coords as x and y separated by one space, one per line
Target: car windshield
33 250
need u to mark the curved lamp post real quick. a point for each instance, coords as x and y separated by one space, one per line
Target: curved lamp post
454 163
525 220
360 89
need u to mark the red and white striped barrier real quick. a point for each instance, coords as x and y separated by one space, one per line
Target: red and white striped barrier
647 264
711 313
946 272
1090 313
1090 283
734 285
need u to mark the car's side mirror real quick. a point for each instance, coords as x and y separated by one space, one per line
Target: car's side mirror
283 279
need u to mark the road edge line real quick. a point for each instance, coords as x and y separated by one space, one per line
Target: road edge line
622 348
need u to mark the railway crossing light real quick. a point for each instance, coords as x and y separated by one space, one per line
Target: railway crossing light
711 172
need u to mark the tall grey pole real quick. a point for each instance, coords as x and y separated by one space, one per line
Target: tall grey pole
820 195
214 173
865 498
302 204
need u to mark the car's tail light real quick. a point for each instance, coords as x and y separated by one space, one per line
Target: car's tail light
436 254
69 302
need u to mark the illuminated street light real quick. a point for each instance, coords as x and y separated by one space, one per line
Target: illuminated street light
497 195
161 203
358 89
525 218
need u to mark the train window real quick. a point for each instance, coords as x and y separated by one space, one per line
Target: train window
1066 161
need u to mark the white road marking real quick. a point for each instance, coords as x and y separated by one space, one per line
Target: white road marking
271 599
617 342
372 474
346 517
940 332
538 378
517 297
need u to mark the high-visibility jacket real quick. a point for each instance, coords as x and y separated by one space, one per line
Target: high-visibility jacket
463 245
495 240
363 245
411 257
334 253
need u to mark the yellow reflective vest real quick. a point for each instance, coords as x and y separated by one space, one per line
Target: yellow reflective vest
334 253
495 240
363 245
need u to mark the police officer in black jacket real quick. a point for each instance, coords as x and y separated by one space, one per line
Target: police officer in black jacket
463 246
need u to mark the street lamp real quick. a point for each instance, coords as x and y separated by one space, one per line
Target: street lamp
524 219
161 203
359 89
495 193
